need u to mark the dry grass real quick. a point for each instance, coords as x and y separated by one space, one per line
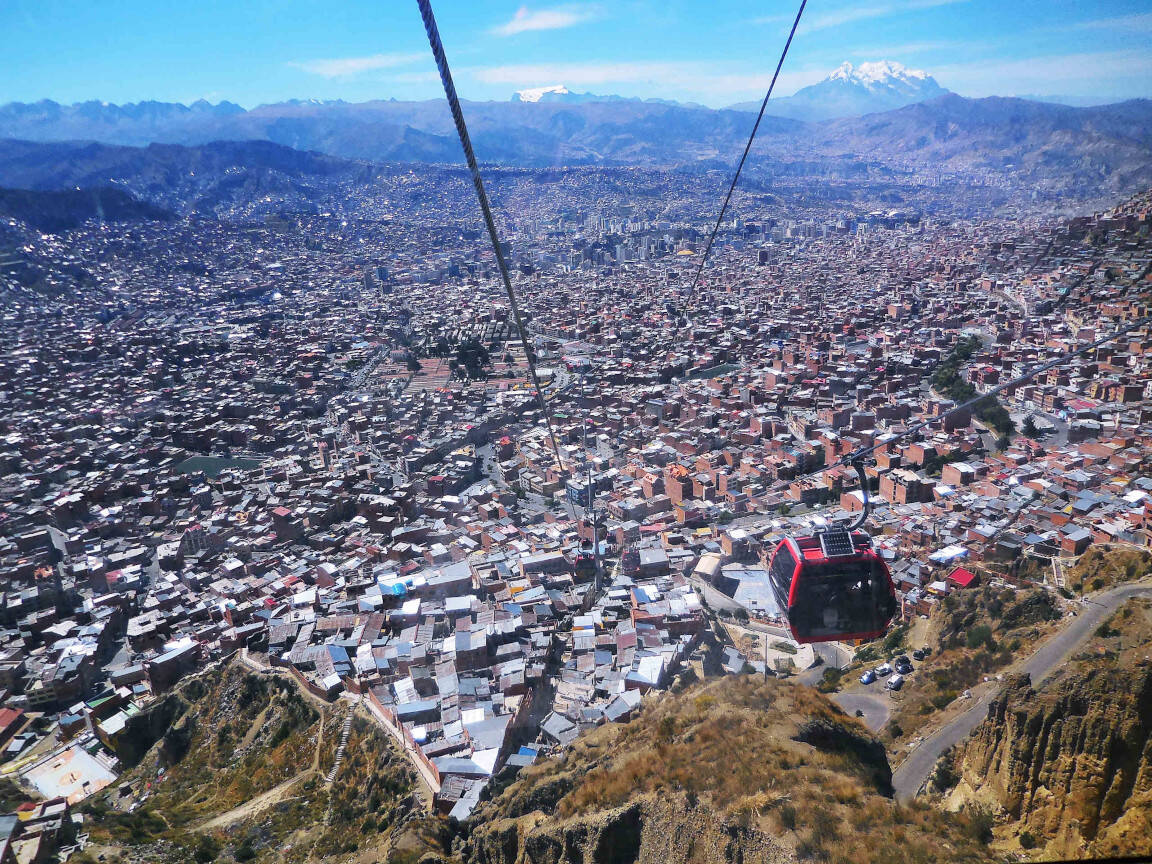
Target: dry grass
1104 566
250 733
732 746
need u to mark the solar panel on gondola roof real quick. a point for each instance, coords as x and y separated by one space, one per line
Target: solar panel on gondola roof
836 543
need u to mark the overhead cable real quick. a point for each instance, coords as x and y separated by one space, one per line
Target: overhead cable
478 182
744 156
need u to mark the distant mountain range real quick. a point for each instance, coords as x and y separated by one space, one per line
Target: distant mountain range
621 132
558 93
852 91
1056 149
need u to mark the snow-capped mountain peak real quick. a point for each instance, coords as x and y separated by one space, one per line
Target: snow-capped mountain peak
535 94
881 72
851 91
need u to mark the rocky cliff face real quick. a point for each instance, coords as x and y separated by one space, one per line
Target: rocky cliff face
1073 764
649 830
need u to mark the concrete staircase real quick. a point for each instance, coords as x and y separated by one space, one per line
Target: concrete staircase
344 732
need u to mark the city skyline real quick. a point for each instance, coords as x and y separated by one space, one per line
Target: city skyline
1086 53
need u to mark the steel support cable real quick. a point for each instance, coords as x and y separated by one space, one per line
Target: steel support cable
857 455
466 142
744 156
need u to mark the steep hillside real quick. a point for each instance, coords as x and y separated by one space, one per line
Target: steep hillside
218 178
1066 147
238 772
62 210
1068 769
1101 567
729 770
975 633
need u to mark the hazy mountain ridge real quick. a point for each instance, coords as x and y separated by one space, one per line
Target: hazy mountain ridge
59 210
619 132
207 180
534 134
1056 149
1109 146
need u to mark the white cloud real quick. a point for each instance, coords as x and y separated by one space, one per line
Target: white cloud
1103 75
894 51
342 67
1140 23
851 14
558 18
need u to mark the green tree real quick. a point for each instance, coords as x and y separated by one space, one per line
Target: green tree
830 682
979 635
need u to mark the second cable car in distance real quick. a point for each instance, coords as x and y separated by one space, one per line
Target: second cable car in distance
832 585
585 564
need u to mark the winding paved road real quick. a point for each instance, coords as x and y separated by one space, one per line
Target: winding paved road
875 707
914 771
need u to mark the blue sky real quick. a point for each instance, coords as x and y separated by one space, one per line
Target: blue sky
715 52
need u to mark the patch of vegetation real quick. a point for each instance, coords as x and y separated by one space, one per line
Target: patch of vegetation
1102 567
945 776
894 641
1106 630
11 795
980 631
947 379
868 653
981 635
980 823
830 680
239 737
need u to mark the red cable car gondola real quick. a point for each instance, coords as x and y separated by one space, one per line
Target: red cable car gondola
832 585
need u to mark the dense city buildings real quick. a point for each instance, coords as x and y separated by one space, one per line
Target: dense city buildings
311 441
